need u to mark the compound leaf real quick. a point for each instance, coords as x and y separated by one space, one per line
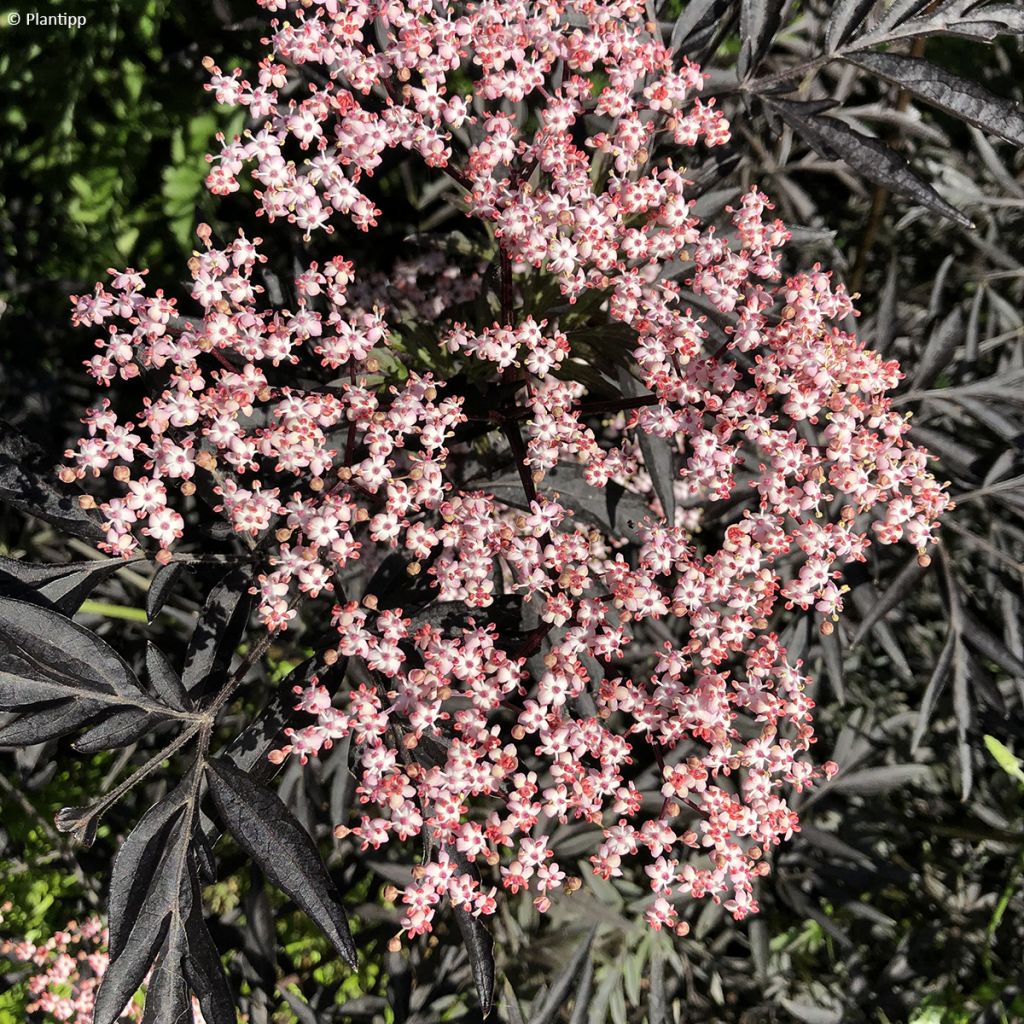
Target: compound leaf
264 827
831 138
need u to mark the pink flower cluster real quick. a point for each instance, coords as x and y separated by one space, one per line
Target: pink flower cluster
69 966
790 457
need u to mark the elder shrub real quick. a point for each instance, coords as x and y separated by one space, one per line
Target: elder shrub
569 533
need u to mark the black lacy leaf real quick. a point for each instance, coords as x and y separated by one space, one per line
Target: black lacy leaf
161 587
58 676
846 18
167 895
832 138
217 633
611 508
166 683
957 96
264 827
759 21
28 485
63 585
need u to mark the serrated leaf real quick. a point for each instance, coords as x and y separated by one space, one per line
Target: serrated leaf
610 508
830 138
880 779
161 587
39 645
168 894
218 631
957 96
264 827
165 681
203 853
137 860
168 1000
118 728
33 488
845 19
562 985
48 723
203 969
64 585
759 21
695 16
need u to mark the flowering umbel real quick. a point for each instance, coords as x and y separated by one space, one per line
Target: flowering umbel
67 969
749 427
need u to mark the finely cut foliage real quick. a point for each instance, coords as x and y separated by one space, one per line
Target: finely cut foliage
555 503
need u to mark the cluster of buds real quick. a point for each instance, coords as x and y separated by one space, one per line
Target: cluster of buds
788 458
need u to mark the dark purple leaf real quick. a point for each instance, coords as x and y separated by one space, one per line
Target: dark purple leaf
168 1000
165 681
697 18
64 585
169 894
562 985
931 693
38 644
900 11
264 827
48 723
118 728
844 20
759 21
880 779
32 487
963 713
218 631
137 860
907 581
610 508
957 96
161 587
475 936
832 653
831 138
203 969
